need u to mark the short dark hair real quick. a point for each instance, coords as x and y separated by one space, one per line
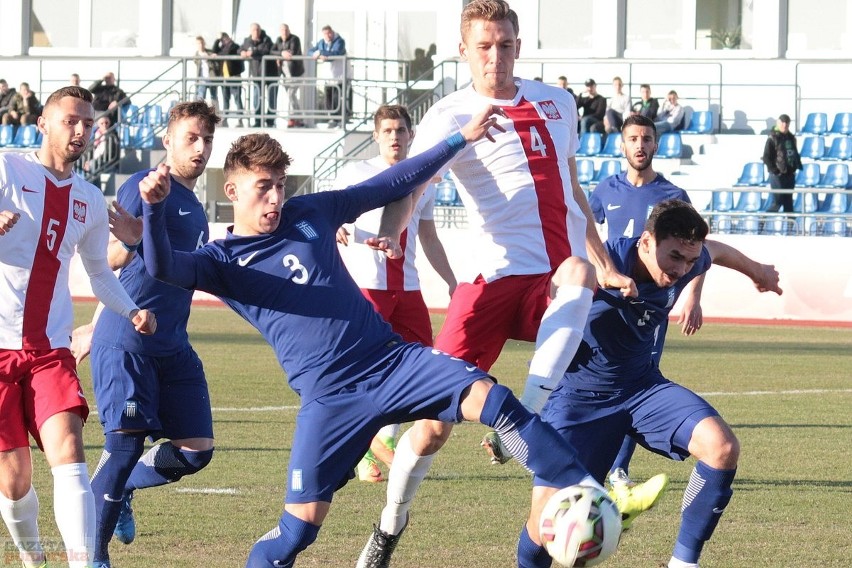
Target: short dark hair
784 118
252 151
678 219
639 120
393 112
645 86
489 11
70 91
195 109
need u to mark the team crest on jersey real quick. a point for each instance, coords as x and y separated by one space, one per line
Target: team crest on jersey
79 209
549 109
308 230
670 302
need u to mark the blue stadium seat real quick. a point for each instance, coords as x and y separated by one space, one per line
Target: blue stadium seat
835 203
809 175
754 174
670 145
815 123
723 224
842 124
446 193
807 226
749 225
585 170
143 137
806 202
700 123
841 149
813 147
777 225
154 115
608 168
836 175
25 137
751 202
7 135
612 146
130 114
722 201
835 227
590 144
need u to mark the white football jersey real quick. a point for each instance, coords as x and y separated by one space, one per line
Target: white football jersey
372 269
517 191
57 218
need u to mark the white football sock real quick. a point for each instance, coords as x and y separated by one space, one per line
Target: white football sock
21 518
389 431
404 479
558 337
675 563
74 508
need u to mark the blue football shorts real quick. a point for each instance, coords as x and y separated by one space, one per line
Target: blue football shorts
164 396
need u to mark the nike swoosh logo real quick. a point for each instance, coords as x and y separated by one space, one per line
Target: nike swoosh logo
470 369
717 510
181 212
246 259
544 388
111 500
612 207
25 189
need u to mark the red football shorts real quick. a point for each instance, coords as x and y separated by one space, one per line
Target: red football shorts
35 385
483 315
405 311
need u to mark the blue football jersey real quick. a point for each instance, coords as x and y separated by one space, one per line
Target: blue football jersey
626 207
186 225
620 333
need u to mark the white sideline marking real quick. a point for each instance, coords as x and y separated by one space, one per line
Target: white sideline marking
255 409
208 490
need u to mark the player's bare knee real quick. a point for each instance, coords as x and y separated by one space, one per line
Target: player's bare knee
16 473
575 271
428 436
714 443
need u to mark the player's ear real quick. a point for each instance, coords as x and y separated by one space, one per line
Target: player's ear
230 190
463 50
375 136
517 48
40 124
645 241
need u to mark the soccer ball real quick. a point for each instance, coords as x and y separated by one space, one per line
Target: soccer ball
580 526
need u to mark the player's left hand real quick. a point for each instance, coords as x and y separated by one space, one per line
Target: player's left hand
144 321
124 226
767 279
388 245
615 279
7 221
342 236
81 342
481 123
155 187
691 317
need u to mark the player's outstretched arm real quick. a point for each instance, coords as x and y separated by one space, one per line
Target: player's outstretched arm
691 316
764 276
7 221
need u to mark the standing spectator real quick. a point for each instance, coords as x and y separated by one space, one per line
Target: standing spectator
105 147
289 46
648 105
231 68
108 96
6 96
670 118
594 108
206 69
332 45
617 107
781 156
25 108
255 47
74 80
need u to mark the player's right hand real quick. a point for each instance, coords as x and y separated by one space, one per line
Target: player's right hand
144 321
81 342
388 245
615 279
481 123
155 187
342 236
7 221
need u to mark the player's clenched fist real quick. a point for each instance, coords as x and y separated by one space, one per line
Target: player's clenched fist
155 186
7 221
144 321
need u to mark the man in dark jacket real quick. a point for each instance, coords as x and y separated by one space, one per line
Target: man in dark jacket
594 108
289 46
781 157
254 48
6 96
648 106
231 71
108 97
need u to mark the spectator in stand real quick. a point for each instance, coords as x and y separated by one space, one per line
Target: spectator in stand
231 68
105 148
781 156
108 97
289 46
74 80
594 108
617 107
6 96
24 109
648 106
562 83
332 45
254 48
670 117
207 71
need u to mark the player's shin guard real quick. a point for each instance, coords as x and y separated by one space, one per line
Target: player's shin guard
280 546
166 463
404 479
21 518
74 509
530 554
705 498
536 445
121 452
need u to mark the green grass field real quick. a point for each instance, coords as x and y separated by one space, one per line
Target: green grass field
786 391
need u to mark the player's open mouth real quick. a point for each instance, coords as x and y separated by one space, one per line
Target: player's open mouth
78 143
271 216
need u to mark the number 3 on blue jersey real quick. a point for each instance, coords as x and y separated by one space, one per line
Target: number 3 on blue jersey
301 275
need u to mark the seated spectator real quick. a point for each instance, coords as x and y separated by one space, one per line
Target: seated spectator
562 82
617 107
648 106
593 108
25 108
108 96
105 148
6 96
74 80
670 118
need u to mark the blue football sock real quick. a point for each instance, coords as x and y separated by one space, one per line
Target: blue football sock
121 452
622 460
530 554
705 498
283 543
166 463
535 444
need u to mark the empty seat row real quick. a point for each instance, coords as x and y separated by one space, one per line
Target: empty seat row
755 201
136 136
838 176
26 136
780 225
152 115
588 175
670 145
817 148
817 123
